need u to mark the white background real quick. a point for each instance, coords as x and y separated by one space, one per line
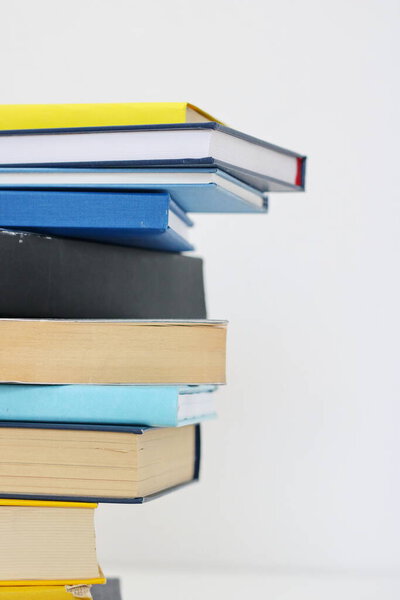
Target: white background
300 473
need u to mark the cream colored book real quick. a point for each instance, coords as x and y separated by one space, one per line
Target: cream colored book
111 352
98 463
47 543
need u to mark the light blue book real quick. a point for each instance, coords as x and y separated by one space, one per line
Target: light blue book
155 406
206 190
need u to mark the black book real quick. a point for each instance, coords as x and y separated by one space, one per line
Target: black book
57 278
109 591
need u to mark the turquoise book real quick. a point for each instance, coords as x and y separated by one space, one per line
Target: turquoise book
154 406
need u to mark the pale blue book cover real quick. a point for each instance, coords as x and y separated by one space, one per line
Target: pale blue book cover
155 406
211 190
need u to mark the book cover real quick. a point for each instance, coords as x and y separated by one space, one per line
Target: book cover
103 499
202 190
150 220
257 163
25 504
37 116
110 591
44 592
157 406
59 278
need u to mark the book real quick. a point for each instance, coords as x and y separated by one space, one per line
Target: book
46 592
50 277
156 406
262 165
36 116
107 591
47 543
106 352
95 463
149 219
110 591
194 190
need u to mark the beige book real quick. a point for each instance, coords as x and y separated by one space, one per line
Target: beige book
110 352
46 542
97 463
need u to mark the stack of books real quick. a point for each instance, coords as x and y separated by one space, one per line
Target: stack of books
108 362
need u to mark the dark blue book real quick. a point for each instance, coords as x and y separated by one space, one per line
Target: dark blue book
147 219
95 463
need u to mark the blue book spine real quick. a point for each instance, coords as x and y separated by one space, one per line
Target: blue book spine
124 218
154 406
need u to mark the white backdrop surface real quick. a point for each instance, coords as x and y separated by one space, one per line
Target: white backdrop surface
301 469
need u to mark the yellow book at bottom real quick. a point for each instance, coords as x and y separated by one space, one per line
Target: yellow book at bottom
51 592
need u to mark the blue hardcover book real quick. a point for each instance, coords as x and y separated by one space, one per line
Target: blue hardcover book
95 463
156 406
194 190
143 219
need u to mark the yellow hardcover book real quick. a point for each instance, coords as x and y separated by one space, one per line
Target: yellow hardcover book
31 555
51 592
46 503
50 116
100 580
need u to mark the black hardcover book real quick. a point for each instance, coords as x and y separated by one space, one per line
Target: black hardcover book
110 591
50 277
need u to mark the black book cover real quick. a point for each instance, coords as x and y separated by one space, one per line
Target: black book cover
110 591
50 277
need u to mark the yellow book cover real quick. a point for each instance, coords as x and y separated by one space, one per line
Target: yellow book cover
42 583
51 592
46 503
50 116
